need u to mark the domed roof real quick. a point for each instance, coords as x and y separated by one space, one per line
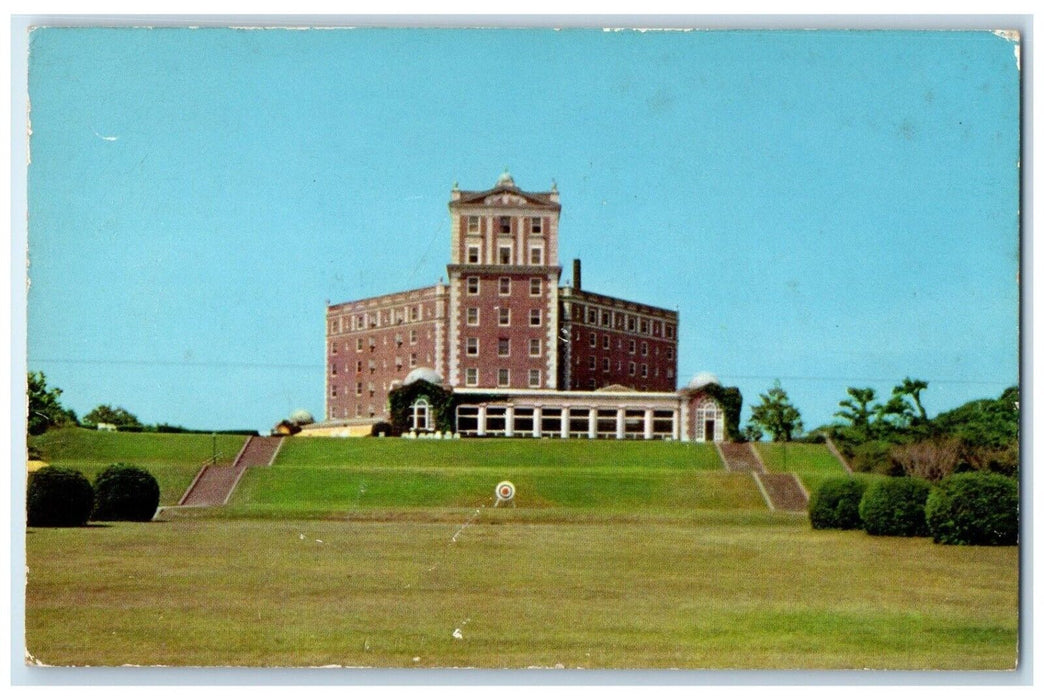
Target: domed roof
702 379
426 373
505 179
301 417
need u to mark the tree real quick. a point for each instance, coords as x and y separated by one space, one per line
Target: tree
913 389
776 415
45 408
858 410
753 432
119 417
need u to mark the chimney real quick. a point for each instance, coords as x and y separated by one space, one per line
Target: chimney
576 273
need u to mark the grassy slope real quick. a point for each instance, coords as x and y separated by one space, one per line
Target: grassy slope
326 476
174 459
812 463
714 592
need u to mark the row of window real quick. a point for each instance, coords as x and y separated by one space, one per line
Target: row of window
472 316
372 342
370 412
632 345
372 364
471 377
536 286
388 317
505 255
633 368
505 224
622 321
471 347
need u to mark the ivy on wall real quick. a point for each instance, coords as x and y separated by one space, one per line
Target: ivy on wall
731 401
443 403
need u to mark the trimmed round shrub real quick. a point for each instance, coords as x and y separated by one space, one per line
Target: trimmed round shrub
383 427
895 506
974 508
125 492
835 505
58 497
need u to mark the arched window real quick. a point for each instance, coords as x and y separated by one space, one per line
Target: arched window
421 414
710 421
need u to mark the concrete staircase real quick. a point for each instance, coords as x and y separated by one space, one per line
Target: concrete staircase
214 484
781 491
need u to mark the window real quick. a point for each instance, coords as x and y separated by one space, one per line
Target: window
592 316
504 224
333 369
358 366
630 323
656 328
607 319
473 316
668 330
605 364
473 224
670 373
504 286
594 340
503 377
534 347
472 346
605 342
645 348
471 376
398 339
536 225
503 347
632 346
333 348
534 286
421 414
358 344
630 368
645 370
536 256
645 327
473 285
333 391
670 353
473 254
534 317
504 316
413 337
415 313
592 363
534 378
413 359
504 255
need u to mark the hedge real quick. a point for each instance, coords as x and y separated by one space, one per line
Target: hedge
895 506
125 492
58 497
974 508
835 505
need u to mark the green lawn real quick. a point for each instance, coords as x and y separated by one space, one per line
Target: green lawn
372 552
712 590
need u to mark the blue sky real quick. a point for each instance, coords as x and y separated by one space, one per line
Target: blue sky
828 208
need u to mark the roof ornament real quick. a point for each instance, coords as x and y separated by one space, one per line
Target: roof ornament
505 179
554 185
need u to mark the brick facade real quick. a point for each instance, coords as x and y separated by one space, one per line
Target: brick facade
502 321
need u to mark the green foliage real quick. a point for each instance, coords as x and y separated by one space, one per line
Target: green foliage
440 400
874 457
895 507
45 407
120 417
985 422
731 401
125 492
752 432
857 410
974 508
835 504
383 428
58 497
777 415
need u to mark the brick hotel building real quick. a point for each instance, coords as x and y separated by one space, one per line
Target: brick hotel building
504 324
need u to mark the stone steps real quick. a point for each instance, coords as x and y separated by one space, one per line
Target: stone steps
214 484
